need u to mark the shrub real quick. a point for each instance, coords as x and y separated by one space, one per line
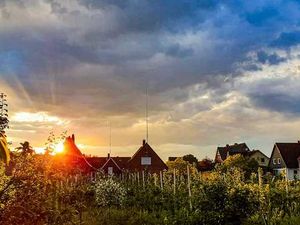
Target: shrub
109 192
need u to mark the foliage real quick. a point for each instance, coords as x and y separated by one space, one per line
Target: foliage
4 150
25 148
180 166
53 141
109 192
190 158
237 161
37 191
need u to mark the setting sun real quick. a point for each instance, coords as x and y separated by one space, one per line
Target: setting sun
59 148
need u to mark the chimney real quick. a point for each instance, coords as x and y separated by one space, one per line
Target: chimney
73 137
144 142
108 155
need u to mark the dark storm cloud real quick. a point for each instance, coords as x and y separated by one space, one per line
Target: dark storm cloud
104 52
287 39
273 59
278 102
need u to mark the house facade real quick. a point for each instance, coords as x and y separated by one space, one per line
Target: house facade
285 160
259 157
146 159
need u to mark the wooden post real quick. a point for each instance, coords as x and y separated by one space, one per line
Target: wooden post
155 179
174 177
189 186
138 178
161 180
143 177
287 181
260 182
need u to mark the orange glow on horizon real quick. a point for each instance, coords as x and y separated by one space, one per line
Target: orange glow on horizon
58 148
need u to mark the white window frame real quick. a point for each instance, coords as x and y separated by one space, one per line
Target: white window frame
279 161
110 170
146 161
274 161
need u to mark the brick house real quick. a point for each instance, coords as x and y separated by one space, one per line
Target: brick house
285 159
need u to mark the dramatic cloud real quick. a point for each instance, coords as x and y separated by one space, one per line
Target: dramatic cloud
216 71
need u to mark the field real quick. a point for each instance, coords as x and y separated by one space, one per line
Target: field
36 192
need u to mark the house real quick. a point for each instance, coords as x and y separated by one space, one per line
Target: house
109 165
145 159
228 150
261 158
72 159
285 159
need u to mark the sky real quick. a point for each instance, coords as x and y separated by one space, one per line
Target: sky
217 73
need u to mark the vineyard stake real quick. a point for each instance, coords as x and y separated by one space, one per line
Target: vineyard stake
189 187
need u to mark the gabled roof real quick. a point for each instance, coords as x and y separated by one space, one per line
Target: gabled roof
290 153
241 148
250 153
111 159
122 161
156 164
98 162
70 147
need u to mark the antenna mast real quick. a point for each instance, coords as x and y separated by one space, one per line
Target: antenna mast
109 137
147 120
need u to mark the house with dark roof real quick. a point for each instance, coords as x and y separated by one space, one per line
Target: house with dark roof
285 159
145 159
224 152
229 150
72 158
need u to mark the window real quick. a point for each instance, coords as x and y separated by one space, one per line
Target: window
279 161
110 170
262 160
145 161
295 171
274 161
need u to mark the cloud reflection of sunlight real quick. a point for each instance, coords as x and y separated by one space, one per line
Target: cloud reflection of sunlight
39 117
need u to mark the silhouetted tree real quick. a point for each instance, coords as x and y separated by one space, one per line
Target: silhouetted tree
205 165
25 148
190 158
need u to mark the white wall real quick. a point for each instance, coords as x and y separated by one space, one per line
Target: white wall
291 175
